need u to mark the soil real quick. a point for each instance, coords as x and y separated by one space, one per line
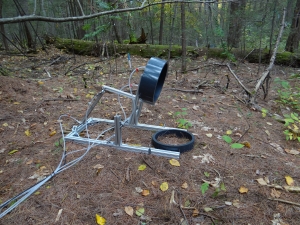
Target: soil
172 139
106 180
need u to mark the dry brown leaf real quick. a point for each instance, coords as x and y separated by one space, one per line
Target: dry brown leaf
184 185
292 152
261 181
145 192
246 144
129 210
275 193
243 190
195 212
154 183
236 203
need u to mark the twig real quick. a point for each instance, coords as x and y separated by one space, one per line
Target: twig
238 80
284 201
49 75
182 210
59 99
193 91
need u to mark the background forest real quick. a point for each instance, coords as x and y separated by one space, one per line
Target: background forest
242 24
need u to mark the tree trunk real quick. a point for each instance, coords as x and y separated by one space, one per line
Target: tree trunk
2 29
292 42
183 38
161 25
236 10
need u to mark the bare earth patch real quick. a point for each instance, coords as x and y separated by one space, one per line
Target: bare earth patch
31 103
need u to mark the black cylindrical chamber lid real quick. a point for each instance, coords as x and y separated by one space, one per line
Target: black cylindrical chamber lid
152 80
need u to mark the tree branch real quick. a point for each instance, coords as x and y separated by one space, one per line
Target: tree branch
84 17
272 60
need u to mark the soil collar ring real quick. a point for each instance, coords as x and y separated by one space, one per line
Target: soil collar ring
179 134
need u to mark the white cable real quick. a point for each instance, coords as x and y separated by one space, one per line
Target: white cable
18 199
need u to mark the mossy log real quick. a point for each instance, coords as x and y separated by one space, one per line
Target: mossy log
146 50
91 48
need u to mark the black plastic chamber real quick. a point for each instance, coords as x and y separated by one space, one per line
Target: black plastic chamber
152 80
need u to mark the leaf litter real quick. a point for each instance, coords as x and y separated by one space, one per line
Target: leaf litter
235 167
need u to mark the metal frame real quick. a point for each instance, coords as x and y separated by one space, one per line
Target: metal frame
132 122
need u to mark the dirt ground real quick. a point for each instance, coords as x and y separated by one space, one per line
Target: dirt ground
107 181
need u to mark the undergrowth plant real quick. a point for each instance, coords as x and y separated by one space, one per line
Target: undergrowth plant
292 122
288 95
228 140
181 121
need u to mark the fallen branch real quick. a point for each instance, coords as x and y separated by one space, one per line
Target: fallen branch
284 201
267 71
193 91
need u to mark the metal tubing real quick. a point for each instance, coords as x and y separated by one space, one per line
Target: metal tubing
117 91
146 150
118 134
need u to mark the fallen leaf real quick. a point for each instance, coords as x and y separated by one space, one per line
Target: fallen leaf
98 167
142 167
100 220
5 124
228 203
16 103
261 181
289 180
267 132
292 152
195 107
243 190
236 203
174 162
164 186
277 147
246 144
140 211
12 152
228 132
184 185
138 189
145 192
27 133
52 133
270 124
292 188
207 209
195 212
40 82
209 135
275 193
154 183
129 210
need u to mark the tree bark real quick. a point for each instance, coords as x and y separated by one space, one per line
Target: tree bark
2 29
292 43
161 24
183 38
236 10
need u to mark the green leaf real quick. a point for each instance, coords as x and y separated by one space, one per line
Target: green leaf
206 174
140 211
227 139
204 187
216 193
294 116
222 186
237 145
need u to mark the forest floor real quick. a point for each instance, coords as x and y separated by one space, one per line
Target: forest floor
246 185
